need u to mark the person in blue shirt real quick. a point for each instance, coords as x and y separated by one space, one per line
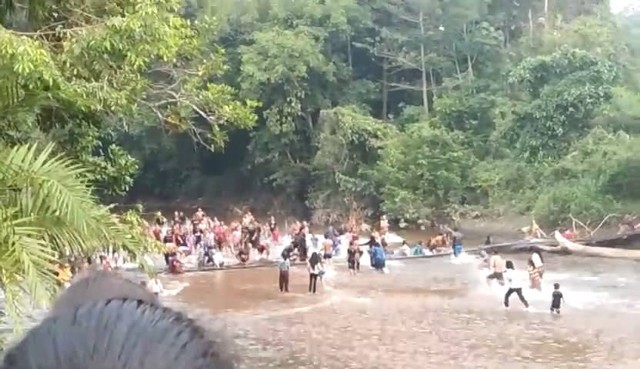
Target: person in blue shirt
456 242
378 257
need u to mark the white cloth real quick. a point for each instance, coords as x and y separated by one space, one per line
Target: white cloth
535 258
405 250
155 285
315 270
218 258
515 279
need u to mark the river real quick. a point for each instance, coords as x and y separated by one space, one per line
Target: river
424 314
428 313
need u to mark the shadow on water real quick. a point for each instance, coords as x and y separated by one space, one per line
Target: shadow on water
424 314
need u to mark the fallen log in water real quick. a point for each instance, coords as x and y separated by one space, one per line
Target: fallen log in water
625 239
604 252
520 245
239 266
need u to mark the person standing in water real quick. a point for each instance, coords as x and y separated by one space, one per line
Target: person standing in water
301 238
273 230
314 266
378 257
352 256
371 243
283 278
515 282
333 235
497 268
327 248
538 261
534 276
556 299
384 226
359 254
456 242
484 259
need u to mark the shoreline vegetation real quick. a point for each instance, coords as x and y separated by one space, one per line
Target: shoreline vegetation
335 112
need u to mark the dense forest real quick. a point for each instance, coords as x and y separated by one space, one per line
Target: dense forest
414 108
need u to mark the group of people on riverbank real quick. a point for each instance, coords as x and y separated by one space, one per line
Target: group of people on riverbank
210 240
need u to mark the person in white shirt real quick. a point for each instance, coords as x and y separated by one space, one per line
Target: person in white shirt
515 281
218 258
404 250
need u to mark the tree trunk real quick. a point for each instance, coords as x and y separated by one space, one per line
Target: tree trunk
603 252
546 9
423 68
469 62
506 29
530 27
432 79
385 90
455 59
349 56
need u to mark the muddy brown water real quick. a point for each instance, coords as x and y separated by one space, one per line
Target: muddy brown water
424 314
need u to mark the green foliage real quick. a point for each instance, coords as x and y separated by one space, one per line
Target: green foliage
566 90
424 169
48 211
415 108
481 107
88 75
582 197
348 147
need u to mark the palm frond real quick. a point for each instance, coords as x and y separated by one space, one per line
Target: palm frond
47 209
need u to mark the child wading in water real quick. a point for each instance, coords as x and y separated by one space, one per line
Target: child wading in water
556 299
283 279
515 283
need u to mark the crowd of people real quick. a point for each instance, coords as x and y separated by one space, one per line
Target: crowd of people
213 243
211 240
71 268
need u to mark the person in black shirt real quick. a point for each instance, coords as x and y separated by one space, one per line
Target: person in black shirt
556 299
352 256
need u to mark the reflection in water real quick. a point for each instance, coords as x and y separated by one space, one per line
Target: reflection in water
425 314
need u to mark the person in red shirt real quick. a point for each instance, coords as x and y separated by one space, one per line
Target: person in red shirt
568 234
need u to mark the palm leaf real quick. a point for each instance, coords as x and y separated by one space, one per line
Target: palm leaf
47 210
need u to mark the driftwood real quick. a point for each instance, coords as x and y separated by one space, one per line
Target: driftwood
533 230
625 239
604 252
586 228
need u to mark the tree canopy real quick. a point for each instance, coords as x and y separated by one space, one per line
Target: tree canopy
412 108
